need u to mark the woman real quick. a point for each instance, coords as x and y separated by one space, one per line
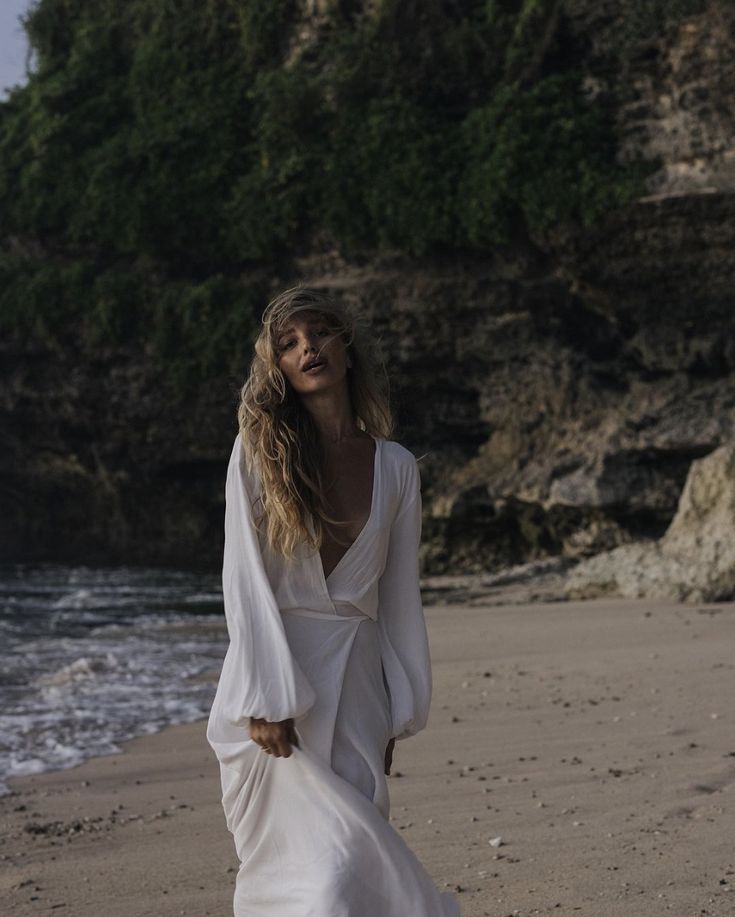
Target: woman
328 662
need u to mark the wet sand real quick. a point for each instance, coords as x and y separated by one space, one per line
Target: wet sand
579 760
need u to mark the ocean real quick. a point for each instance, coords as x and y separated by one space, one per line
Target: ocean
90 657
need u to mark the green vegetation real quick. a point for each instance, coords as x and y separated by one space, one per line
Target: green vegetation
165 154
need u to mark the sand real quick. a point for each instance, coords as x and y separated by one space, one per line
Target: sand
594 739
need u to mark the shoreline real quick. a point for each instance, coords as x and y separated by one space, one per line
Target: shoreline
594 738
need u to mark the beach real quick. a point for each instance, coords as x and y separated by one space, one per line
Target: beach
579 760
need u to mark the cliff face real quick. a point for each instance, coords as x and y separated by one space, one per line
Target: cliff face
560 387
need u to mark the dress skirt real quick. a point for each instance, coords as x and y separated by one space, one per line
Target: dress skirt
312 831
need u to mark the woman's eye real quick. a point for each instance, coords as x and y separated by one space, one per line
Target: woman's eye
286 344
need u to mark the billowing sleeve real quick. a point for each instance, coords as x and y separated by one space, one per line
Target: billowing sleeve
259 675
401 626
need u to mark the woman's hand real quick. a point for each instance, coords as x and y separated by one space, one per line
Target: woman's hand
274 738
389 755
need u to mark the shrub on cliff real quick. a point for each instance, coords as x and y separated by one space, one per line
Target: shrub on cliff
163 155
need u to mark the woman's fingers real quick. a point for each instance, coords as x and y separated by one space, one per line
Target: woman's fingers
293 737
275 741
260 734
274 738
281 746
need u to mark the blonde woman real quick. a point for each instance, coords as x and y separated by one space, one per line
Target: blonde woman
328 662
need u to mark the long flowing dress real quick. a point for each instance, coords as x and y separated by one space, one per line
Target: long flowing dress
347 657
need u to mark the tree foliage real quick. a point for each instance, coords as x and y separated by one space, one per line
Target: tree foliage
162 151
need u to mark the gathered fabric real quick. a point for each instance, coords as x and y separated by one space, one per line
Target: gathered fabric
347 657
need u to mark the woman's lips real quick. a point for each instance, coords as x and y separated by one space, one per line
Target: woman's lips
315 369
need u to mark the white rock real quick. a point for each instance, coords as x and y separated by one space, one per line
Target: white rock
694 561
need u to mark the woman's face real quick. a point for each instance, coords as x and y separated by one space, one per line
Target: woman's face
306 341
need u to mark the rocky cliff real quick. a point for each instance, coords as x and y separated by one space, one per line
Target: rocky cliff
559 388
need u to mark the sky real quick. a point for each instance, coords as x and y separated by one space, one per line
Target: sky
13 44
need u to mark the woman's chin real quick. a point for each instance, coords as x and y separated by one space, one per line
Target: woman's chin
321 383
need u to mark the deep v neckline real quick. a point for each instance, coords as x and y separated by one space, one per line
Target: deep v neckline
373 500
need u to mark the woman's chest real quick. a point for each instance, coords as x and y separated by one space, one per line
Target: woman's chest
300 582
350 498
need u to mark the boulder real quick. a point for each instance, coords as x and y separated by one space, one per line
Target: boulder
694 561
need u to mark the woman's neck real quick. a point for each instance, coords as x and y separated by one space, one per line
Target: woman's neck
333 416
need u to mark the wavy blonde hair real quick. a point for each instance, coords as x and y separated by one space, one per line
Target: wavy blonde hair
278 434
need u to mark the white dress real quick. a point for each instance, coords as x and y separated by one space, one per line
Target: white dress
347 657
